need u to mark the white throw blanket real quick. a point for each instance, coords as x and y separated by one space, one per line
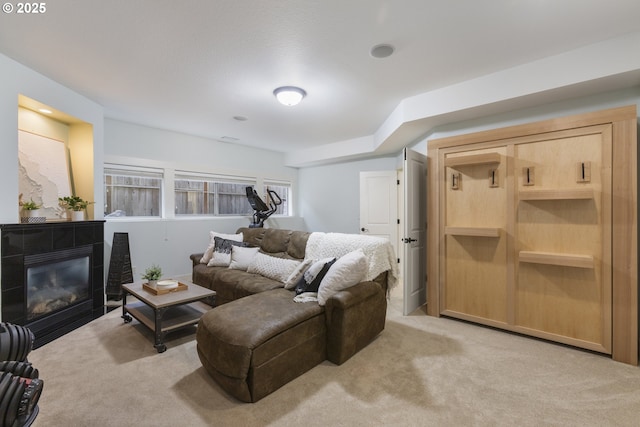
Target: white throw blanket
379 252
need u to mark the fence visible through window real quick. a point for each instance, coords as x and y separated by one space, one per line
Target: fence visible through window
128 193
208 197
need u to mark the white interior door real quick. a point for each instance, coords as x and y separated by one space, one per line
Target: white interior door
414 246
379 205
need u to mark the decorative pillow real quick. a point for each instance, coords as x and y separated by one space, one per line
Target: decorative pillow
294 278
348 270
272 267
310 280
241 257
208 253
222 252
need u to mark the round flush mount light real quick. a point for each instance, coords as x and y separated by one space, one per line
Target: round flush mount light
289 95
382 51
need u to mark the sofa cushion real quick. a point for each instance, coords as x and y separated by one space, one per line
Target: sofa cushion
348 270
231 284
208 253
250 284
283 243
272 267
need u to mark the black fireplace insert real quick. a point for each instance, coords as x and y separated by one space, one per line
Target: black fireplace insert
52 276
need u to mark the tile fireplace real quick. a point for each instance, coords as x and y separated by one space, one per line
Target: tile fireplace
52 276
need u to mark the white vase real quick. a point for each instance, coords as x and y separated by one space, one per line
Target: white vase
77 215
32 213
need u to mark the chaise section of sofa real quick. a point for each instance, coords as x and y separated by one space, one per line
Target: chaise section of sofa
255 345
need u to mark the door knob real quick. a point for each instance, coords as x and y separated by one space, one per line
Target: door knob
409 240
364 230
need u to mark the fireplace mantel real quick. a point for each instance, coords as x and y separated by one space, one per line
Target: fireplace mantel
23 240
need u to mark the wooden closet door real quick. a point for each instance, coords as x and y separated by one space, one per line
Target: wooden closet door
563 237
475 249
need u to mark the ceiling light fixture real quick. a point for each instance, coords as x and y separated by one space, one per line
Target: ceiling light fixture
289 95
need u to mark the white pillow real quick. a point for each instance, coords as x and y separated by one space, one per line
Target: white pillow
293 279
222 252
347 271
208 253
241 257
272 267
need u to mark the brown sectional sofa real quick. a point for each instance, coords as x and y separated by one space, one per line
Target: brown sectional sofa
257 338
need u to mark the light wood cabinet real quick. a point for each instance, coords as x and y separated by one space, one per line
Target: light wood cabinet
533 229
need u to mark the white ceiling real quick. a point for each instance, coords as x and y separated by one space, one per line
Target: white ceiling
191 66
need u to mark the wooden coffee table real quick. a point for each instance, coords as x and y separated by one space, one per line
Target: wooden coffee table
165 313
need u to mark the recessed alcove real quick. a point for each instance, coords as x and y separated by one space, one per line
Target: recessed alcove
76 138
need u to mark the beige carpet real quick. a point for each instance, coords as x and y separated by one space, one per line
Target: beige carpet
420 371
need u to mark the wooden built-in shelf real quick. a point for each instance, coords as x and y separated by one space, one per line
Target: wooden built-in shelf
473 231
472 159
557 194
550 258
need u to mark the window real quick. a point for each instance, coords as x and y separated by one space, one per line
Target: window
132 192
283 190
211 196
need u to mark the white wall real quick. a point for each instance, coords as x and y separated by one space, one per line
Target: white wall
187 151
168 242
330 194
18 79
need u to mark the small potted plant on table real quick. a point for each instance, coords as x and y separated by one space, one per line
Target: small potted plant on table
152 274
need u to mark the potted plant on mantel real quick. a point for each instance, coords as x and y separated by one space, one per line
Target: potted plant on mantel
75 206
30 211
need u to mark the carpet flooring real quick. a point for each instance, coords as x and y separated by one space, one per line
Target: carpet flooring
421 371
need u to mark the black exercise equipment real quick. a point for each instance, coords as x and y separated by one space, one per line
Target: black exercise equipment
261 210
20 387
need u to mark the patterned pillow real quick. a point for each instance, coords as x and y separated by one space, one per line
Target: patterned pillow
208 253
241 257
221 256
310 280
294 278
272 267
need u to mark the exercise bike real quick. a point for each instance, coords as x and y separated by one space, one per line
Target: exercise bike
261 210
